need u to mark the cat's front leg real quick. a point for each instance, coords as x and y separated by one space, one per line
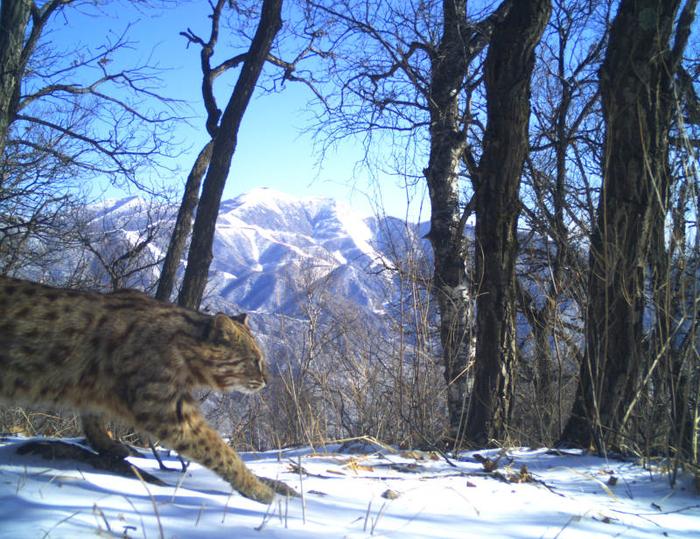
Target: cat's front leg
184 429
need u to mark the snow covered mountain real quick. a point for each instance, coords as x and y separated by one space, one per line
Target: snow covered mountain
272 250
271 247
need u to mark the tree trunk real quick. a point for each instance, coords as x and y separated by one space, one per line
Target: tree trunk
224 145
14 16
458 46
508 70
183 224
636 88
447 143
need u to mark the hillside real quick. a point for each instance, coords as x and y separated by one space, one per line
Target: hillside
270 248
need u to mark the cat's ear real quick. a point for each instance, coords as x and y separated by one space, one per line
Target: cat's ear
241 319
217 325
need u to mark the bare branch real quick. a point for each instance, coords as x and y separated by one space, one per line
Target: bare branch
685 22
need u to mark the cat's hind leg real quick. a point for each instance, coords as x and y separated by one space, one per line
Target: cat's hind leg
99 439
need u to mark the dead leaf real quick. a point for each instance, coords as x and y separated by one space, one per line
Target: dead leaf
523 476
355 466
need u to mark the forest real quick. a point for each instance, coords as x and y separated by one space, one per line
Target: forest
553 299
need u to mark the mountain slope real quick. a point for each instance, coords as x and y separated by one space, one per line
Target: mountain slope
271 249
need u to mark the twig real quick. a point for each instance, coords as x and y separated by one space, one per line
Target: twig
59 523
98 511
199 514
574 518
265 518
153 501
369 508
179 483
376 520
223 517
294 467
301 487
680 510
143 526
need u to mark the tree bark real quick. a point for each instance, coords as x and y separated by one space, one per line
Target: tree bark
224 145
447 143
183 224
14 17
636 81
507 75
458 46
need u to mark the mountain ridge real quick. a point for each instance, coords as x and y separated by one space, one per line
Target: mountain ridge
269 246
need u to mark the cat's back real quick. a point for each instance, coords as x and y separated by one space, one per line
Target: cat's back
60 327
35 312
90 350
58 344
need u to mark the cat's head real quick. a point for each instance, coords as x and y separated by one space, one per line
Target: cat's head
240 364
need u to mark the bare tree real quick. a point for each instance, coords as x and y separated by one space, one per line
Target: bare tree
224 145
210 73
55 101
183 224
69 117
637 90
507 72
557 198
405 71
450 62
14 17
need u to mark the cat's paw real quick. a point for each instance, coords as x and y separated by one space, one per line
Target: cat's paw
261 493
279 487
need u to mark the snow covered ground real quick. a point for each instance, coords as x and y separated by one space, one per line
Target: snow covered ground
376 492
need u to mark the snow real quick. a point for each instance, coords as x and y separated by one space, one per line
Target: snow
570 496
264 240
277 216
116 206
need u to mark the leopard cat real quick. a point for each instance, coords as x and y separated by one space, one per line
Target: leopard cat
136 359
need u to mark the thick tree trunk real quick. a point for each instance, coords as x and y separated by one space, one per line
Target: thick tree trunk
508 70
447 144
14 16
200 253
636 89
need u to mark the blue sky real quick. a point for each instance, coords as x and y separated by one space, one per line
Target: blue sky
273 149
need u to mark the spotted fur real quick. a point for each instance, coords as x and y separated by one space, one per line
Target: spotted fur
131 357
